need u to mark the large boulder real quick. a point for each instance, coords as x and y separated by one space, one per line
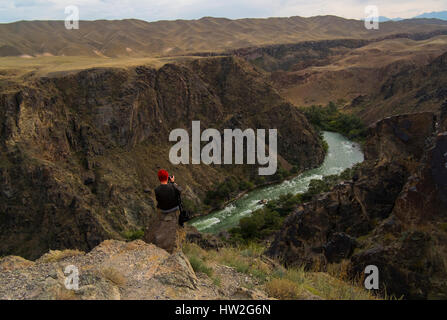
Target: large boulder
113 270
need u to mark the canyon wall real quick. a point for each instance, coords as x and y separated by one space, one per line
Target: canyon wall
392 214
79 152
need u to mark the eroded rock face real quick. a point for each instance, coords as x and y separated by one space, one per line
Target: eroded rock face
78 152
424 197
392 216
352 209
443 118
340 246
203 240
405 262
117 270
403 136
415 245
411 89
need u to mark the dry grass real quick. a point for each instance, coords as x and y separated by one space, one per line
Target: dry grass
245 260
137 37
330 82
57 255
17 68
322 285
443 226
283 289
114 276
65 294
331 288
339 270
282 283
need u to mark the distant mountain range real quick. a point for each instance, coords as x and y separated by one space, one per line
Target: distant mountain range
434 15
441 15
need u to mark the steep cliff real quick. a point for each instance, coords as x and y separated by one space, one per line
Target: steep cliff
413 89
79 152
392 214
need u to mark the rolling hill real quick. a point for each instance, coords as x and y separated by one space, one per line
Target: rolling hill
104 38
347 70
413 89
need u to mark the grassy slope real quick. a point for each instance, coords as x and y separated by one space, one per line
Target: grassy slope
277 281
356 72
18 68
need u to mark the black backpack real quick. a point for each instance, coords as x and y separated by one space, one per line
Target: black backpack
184 215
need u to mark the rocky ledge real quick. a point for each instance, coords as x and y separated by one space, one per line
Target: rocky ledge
117 270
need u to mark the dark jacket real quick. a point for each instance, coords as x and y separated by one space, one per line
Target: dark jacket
167 196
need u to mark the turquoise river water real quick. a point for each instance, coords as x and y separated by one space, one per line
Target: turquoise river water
342 154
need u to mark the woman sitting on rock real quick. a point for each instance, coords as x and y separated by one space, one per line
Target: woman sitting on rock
164 231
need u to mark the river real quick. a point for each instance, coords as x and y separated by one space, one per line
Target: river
342 154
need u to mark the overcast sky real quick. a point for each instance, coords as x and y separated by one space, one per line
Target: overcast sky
152 10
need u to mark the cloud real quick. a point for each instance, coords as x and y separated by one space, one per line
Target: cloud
152 10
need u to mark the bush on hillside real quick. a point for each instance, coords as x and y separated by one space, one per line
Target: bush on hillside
329 118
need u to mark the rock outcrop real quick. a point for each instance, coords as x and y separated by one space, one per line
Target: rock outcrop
203 240
115 270
79 152
412 89
403 137
392 214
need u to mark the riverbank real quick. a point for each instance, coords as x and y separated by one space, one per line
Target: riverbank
256 187
342 154
243 193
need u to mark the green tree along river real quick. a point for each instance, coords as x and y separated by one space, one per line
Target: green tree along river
342 154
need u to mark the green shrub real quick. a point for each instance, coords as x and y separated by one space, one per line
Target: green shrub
318 186
225 191
284 204
198 265
259 180
264 222
132 235
281 174
217 281
246 185
296 169
190 205
329 118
